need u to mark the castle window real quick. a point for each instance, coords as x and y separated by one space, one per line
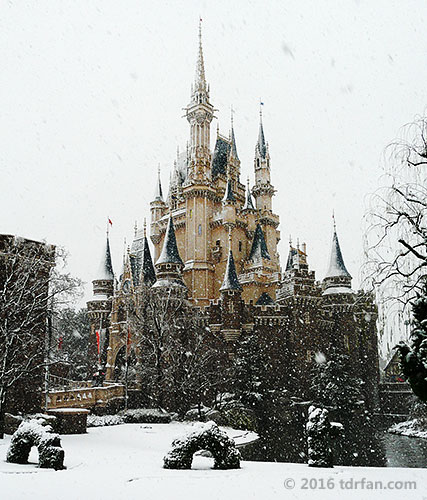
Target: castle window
240 246
257 163
218 243
200 230
191 213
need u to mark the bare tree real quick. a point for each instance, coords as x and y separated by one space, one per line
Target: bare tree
180 359
396 220
30 288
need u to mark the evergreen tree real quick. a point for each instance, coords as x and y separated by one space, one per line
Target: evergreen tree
414 357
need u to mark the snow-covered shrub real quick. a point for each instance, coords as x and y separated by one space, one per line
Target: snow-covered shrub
146 416
36 433
205 437
104 420
319 434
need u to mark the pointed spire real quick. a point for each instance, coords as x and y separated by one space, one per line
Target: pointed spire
259 247
231 281
170 254
233 138
228 195
158 194
261 146
105 270
336 262
200 80
148 275
248 202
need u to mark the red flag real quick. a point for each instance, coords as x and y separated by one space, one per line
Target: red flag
109 222
97 339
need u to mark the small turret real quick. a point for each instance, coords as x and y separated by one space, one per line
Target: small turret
104 282
169 265
263 190
337 279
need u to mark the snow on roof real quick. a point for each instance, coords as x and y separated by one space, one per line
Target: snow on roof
336 261
105 269
170 254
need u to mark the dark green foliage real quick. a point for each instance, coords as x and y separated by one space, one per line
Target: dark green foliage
413 357
334 385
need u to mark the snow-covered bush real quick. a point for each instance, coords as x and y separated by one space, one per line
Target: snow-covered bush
146 416
104 420
205 437
319 434
36 433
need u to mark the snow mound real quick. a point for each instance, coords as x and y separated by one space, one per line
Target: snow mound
205 437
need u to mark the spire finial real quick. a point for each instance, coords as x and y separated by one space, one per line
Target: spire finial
145 227
135 228
333 220
200 83
290 240
232 111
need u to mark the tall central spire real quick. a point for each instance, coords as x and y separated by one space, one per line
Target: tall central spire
200 114
200 82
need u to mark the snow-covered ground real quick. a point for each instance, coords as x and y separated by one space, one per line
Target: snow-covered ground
125 462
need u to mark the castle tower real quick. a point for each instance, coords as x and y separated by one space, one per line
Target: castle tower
263 192
198 193
99 308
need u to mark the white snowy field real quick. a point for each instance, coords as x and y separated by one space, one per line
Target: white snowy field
125 462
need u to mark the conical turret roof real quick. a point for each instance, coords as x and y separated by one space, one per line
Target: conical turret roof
228 195
261 144
105 270
259 246
170 254
233 144
231 281
158 193
336 262
264 300
148 275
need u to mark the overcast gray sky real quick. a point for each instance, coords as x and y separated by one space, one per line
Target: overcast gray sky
91 98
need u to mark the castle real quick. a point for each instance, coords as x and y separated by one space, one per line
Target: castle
215 243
